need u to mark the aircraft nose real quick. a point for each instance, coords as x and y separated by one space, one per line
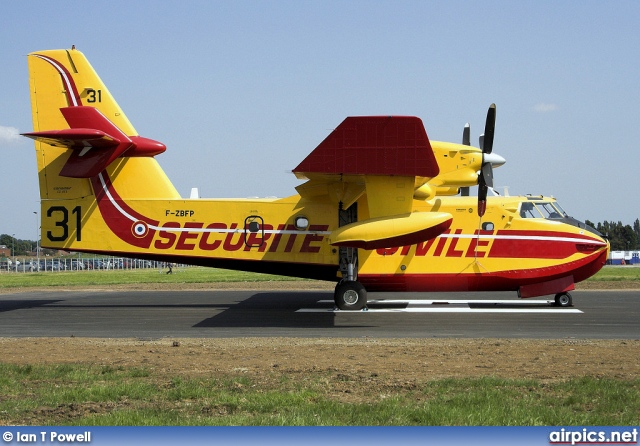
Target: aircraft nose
493 158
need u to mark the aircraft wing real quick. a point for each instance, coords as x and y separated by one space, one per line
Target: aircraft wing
374 145
386 158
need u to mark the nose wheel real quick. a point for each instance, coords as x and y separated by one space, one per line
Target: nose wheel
350 295
563 300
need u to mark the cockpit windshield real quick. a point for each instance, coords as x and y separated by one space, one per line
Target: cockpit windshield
541 209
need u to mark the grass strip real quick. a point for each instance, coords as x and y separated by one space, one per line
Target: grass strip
617 273
140 276
78 394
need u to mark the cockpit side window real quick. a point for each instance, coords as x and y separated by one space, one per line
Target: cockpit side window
528 210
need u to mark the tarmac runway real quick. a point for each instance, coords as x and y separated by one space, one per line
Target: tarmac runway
211 314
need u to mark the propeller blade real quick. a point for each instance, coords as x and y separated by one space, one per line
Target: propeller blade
490 125
482 197
487 174
466 140
485 181
466 135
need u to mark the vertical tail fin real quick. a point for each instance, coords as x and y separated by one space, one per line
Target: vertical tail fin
80 130
64 78
91 161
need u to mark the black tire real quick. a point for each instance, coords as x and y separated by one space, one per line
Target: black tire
350 295
564 300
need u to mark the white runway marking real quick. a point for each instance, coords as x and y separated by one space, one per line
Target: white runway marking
453 306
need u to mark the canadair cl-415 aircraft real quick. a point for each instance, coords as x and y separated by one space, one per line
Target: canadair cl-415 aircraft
378 210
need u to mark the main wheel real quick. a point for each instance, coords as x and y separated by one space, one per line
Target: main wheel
564 300
350 295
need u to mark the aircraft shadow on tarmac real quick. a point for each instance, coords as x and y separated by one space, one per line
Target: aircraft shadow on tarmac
276 309
288 309
21 304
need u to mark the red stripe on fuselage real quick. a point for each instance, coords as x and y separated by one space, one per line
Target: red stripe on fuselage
505 244
119 216
508 280
537 244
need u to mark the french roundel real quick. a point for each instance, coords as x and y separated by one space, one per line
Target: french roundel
140 229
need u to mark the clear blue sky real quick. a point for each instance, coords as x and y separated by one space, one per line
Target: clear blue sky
241 91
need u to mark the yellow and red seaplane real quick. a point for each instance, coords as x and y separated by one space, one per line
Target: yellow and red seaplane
379 209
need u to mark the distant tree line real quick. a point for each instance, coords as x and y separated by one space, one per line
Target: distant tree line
21 247
622 237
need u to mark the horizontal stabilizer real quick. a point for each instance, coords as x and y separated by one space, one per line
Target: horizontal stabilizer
374 145
96 142
392 231
77 139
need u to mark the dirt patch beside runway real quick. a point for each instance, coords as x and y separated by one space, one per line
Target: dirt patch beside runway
389 361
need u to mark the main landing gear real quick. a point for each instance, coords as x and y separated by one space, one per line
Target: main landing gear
350 295
563 300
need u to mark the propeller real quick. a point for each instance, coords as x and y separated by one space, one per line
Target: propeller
489 159
466 140
485 178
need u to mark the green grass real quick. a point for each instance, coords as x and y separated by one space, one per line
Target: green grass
139 276
94 395
617 273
